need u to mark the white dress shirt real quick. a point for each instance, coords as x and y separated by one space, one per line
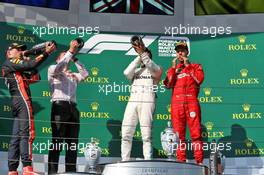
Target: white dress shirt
63 83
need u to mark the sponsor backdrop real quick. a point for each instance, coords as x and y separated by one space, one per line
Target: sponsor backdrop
231 96
136 7
228 7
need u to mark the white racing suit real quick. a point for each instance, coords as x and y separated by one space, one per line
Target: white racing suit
141 104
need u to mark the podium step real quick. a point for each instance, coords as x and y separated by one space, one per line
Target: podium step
153 167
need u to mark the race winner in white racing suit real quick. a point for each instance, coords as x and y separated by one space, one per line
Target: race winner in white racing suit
145 76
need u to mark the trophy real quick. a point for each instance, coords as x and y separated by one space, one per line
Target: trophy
169 141
216 160
92 154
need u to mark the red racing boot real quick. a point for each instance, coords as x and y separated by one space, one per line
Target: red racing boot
12 173
28 170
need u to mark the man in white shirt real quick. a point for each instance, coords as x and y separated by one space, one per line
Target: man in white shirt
65 116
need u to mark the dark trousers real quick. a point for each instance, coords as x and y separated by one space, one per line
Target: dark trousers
65 124
22 134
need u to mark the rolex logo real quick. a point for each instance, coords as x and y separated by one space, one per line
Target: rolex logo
95 79
20 30
94 106
95 113
244 79
242 39
248 142
207 91
246 107
95 71
169 108
242 45
209 125
244 72
207 98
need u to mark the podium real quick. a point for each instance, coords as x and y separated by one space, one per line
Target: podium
153 167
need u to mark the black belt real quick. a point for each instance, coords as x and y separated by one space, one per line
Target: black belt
62 102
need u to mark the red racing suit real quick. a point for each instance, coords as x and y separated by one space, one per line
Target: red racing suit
185 82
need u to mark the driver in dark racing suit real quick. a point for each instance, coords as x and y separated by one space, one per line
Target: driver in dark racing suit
19 71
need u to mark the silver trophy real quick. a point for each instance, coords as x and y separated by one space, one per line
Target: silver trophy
92 154
216 160
169 141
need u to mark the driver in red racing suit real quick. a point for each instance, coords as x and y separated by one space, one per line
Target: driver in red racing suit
185 79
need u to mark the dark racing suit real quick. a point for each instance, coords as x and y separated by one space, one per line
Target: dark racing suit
185 107
18 74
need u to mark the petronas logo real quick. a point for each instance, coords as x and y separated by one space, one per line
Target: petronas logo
207 91
242 39
209 125
246 107
169 108
95 71
244 72
248 142
20 30
94 106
